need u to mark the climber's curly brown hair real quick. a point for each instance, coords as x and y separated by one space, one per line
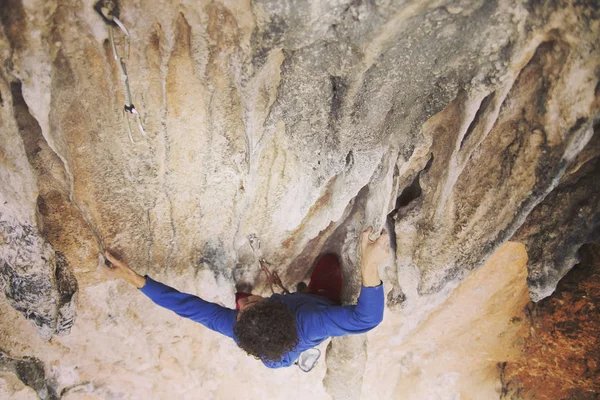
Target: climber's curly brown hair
267 330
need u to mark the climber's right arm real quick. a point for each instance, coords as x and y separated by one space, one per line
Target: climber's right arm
213 316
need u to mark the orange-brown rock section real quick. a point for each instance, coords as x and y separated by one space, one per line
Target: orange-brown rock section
561 356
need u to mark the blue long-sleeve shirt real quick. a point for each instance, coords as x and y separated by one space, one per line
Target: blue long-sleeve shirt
317 318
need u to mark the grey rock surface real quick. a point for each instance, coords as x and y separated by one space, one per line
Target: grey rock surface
568 218
31 372
294 125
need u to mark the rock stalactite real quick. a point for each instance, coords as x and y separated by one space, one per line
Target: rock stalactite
280 129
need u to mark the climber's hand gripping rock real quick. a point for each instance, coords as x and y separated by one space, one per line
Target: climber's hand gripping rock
120 270
373 253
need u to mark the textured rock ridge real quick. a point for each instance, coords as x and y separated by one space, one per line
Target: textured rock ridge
281 129
568 218
36 278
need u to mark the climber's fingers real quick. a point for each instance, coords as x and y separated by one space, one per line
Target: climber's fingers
115 261
380 245
105 269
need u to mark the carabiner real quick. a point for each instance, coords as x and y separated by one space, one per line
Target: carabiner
108 10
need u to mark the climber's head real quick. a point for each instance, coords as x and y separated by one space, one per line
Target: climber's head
265 328
245 303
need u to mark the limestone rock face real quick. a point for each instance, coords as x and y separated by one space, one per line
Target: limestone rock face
279 129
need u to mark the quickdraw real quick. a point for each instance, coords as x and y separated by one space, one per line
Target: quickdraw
272 277
109 11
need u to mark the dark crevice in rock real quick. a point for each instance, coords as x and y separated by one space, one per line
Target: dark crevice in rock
14 22
67 289
429 163
39 154
483 107
86 387
405 201
349 160
334 235
28 126
389 227
31 372
578 125
412 191
338 92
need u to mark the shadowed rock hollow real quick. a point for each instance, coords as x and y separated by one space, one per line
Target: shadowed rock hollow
278 130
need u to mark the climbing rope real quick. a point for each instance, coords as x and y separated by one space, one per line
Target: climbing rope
272 277
109 11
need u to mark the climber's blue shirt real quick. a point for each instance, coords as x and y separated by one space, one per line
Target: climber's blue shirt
316 317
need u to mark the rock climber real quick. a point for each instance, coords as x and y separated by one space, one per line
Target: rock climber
278 329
